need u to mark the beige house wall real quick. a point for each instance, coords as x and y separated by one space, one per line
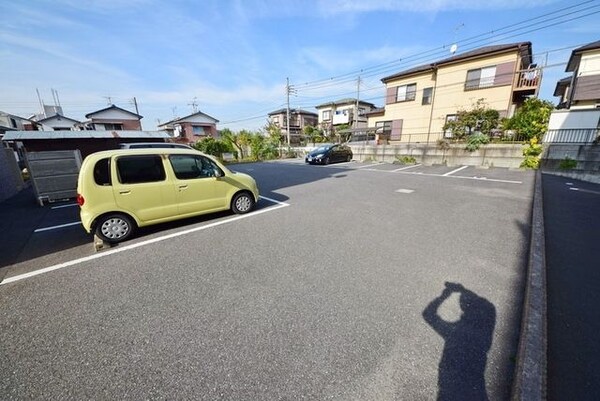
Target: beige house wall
449 97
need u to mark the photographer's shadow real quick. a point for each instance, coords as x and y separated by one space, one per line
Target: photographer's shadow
461 373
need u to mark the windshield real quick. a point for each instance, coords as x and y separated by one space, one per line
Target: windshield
322 148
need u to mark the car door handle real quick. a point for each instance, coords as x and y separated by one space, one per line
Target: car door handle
182 187
124 192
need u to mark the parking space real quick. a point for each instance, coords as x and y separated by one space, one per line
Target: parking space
337 287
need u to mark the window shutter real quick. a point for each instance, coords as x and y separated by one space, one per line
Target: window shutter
391 95
396 129
473 79
505 73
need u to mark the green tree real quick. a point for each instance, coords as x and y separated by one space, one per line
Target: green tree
274 132
531 119
480 119
263 147
314 134
232 140
213 146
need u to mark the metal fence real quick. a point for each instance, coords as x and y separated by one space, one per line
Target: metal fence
575 136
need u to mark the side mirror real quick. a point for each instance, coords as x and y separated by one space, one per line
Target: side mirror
218 173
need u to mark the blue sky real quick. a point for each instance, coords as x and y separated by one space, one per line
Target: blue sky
232 58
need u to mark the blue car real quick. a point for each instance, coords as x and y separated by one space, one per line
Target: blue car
329 153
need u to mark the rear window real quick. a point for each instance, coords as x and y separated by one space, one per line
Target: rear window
102 172
140 169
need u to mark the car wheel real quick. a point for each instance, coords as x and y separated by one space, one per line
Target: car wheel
242 203
115 228
349 158
326 160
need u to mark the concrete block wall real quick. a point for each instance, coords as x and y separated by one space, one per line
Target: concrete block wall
587 157
491 155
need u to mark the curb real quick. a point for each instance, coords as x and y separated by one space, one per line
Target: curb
530 375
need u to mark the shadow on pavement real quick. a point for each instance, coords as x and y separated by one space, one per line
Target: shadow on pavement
461 374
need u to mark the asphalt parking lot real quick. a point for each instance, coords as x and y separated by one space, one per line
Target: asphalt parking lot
332 289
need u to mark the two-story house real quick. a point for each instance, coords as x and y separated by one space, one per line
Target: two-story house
577 118
113 118
298 120
419 101
190 129
349 112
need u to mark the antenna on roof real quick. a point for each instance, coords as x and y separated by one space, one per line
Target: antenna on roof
109 99
454 46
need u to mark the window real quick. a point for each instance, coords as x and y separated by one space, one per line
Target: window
361 111
197 130
427 96
327 115
140 169
480 78
276 120
383 127
406 93
450 117
188 167
102 172
13 123
113 127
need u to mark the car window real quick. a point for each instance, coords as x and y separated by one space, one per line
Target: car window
188 167
102 172
322 148
140 169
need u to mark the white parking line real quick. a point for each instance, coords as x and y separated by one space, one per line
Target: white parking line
405 168
39 230
368 165
454 171
61 206
143 243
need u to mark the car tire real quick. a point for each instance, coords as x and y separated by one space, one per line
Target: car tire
115 227
242 202
326 160
349 158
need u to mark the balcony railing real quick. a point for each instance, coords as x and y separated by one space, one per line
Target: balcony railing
528 79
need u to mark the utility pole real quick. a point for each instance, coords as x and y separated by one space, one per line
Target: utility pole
358 80
287 120
137 111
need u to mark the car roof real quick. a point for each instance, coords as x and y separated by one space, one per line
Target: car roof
143 151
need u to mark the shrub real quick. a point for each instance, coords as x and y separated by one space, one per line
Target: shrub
405 160
532 155
567 163
474 141
443 144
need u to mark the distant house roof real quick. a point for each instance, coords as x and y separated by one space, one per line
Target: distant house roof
473 54
576 55
186 118
343 102
296 111
112 107
28 135
58 117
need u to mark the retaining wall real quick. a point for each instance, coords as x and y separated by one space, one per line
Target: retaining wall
586 156
491 155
